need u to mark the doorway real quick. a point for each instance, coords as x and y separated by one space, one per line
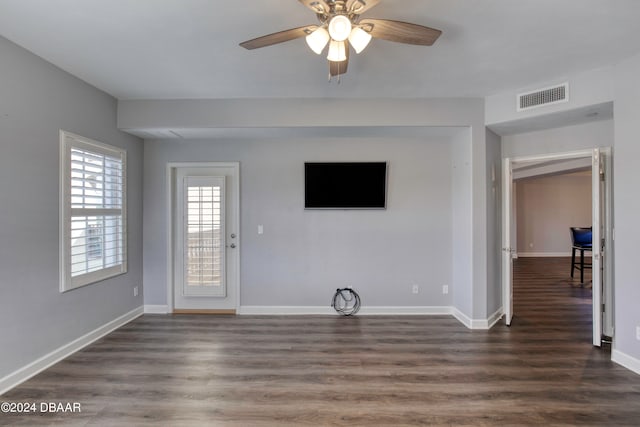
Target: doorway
203 251
602 255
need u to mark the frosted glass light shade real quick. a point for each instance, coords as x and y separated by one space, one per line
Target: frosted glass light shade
318 40
359 39
337 51
339 28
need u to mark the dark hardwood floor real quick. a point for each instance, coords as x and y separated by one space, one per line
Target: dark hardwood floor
195 370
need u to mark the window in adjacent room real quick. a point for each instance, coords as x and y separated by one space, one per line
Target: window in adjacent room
92 211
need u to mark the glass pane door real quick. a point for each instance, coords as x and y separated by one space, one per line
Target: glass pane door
204 236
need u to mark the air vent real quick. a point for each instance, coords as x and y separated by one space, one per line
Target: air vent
543 97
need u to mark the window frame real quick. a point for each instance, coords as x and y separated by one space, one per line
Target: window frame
68 142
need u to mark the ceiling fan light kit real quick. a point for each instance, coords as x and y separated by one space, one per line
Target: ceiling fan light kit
359 39
318 40
337 51
341 26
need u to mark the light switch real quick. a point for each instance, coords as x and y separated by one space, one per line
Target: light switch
260 229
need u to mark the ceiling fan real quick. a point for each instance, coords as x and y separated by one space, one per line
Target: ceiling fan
341 26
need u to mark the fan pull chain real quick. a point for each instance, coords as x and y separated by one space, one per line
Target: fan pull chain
337 78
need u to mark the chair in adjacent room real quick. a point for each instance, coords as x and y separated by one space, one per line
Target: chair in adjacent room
580 241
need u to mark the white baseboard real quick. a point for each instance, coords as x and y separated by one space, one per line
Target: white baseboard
375 311
21 375
476 323
156 309
325 310
544 254
495 318
625 360
288 310
406 311
462 318
285 310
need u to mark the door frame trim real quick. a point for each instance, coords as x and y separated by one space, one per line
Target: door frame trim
586 153
169 197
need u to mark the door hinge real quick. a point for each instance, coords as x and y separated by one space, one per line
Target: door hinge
603 310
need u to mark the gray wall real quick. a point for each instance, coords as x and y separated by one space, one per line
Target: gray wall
547 207
587 88
462 227
37 100
559 140
304 255
627 206
293 115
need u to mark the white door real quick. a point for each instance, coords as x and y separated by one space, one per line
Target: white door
606 252
602 254
597 176
507 250
205 249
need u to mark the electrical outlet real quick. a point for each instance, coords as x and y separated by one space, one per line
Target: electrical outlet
415 289
135 291
638 333
445 289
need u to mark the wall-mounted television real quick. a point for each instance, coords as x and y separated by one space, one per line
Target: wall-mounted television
345 185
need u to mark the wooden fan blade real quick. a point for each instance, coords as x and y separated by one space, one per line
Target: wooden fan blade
360 6
337 68
280 37
401 32
320 7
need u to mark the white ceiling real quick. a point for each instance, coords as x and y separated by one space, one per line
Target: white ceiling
154 49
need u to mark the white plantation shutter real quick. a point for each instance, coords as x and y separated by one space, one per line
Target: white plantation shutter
203 234
92 214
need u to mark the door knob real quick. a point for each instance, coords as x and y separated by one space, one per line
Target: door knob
232 246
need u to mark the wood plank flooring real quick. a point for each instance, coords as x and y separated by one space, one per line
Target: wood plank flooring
194 370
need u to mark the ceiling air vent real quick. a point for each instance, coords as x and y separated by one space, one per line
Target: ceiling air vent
543 97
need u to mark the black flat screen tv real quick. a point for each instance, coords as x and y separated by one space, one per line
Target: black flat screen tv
345 185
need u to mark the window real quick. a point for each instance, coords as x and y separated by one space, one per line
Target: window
92 211
204 235
94 241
